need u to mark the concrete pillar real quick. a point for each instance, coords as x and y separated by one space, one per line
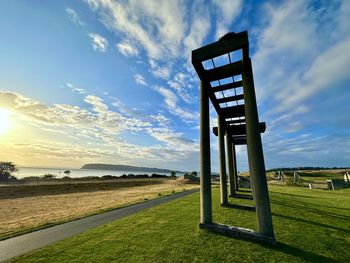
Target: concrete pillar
205 171
255 154
235 173
231 180
222 161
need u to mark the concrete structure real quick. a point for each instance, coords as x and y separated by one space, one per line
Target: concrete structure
296 177
280 175
335 184
234 101
235 135
231 154
205 171
223 177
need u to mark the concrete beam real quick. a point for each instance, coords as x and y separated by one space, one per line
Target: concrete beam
240 129
239 140
231 98
217 48
231 180
255 155
222 161
223 87
224 72
235 171
232 112
205 170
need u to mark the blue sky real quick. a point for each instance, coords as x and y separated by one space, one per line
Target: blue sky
111 81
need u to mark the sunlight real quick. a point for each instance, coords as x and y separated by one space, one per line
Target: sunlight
5 121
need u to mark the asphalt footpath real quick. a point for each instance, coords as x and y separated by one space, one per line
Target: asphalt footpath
22 244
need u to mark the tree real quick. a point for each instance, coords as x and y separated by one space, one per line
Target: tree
172 174
6 168
49 176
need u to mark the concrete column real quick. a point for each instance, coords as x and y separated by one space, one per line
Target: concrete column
231 180
205 171
255 154
235 174
222 161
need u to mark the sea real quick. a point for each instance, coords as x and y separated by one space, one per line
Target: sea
75 173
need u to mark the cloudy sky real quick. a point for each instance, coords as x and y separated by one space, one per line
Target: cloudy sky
111 81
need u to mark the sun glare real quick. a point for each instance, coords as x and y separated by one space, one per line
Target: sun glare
5 121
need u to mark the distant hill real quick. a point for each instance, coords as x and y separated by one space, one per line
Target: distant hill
121 167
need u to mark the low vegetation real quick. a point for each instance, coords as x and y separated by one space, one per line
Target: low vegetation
310 226
6 170
38 204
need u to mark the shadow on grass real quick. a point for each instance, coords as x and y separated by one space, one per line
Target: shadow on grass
302 254
242 207
242 196
304 196
307 207
313 223
244 190
284 248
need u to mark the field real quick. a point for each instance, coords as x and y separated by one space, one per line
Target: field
24 208
310 226
315 177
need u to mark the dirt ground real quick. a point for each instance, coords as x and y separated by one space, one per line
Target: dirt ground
25 207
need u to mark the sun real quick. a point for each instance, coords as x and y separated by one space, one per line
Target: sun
5 121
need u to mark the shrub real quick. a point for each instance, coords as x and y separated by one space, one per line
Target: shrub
158 176
49 176
291 182
108 177
6 168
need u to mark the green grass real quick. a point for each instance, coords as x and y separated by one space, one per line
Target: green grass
310 226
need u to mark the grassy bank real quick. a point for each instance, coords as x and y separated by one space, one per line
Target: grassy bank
310 226
24 208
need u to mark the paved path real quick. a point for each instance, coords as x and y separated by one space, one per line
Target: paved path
19 245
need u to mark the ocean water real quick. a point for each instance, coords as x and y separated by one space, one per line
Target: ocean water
75 173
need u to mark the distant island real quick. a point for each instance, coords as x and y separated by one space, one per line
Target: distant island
121 167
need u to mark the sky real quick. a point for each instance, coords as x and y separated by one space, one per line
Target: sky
101 81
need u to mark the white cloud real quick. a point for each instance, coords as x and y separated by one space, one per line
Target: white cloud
227 12
304 53
98 42
163 29
139 79
199 28
127 49
181 83
328 69
73 16
162 72
98 125
99 120
171 101
161 119
75 89
136 19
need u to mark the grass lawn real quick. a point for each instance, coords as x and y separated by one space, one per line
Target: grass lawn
310 226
